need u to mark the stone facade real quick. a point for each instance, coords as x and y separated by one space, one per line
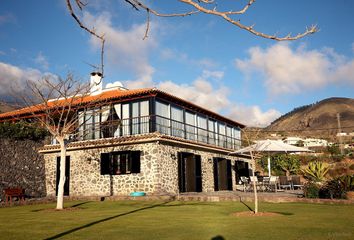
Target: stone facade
158 170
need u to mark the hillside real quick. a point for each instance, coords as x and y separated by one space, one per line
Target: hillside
319 119
5 108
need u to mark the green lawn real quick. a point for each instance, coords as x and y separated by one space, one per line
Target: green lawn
176 220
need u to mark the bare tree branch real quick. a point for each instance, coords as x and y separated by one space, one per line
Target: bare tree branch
200 6
90 31
226 16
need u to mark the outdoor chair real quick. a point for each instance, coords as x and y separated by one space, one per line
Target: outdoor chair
264 183
296 182
254 179
284 182
245 182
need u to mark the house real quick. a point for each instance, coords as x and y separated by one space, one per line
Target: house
146 140
306 142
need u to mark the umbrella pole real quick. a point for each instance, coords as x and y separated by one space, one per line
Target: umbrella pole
269 165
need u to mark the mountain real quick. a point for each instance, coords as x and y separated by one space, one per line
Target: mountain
318 119
5 108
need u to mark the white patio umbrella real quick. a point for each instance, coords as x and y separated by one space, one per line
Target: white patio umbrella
270 146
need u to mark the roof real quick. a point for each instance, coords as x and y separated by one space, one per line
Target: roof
116 95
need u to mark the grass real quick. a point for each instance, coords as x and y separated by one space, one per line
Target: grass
176 220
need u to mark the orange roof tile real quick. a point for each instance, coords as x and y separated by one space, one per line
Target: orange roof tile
118 94
106 95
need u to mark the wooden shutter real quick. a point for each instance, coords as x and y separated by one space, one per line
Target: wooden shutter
105 163
216 174
198 173
229 174
135 161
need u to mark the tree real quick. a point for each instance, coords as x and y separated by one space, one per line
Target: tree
54 104
253 155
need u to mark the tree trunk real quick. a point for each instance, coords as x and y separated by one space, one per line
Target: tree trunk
60 197
254 185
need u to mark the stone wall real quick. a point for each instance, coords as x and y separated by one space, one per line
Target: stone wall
86 178
158 170
168 166
22 166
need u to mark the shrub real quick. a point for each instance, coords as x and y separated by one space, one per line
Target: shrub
281 163
332 189
351 167
311 190
336 188
22 130
316 171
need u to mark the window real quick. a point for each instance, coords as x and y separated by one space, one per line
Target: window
229 137
89 124
140 117
117 163
177 126
211 131
222 134
163 117
202 129
125 119
190 126
237 138
135 118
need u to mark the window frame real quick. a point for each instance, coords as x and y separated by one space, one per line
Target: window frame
132 163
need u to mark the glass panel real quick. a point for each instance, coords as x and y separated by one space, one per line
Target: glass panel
202 126
125 119
237 138
222 134
162 118
211 133
190 126
88 132
135 118
144 117
177 126
81 125
116 120
229 137
96 124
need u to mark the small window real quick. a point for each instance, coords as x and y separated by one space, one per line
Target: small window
117 163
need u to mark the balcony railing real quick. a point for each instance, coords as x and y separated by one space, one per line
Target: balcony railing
152 123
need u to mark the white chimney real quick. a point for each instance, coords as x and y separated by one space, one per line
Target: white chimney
96 83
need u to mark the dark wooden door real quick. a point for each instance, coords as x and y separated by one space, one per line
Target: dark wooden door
67 175
189 172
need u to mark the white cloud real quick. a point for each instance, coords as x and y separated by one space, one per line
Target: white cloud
42 61
253 115
289 71
200 91
124 49
208 92
14 79
169 54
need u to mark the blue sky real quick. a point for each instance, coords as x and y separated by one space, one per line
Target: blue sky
200 58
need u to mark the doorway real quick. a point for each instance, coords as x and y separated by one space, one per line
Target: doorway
222 174
189 172
67 176
242 170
